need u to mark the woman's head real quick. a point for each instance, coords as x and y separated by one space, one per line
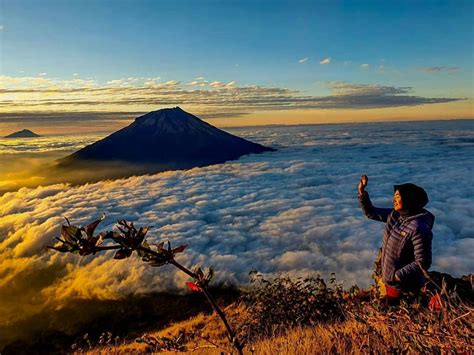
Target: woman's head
409 197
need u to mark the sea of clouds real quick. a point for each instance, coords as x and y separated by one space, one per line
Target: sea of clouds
291 211
46 144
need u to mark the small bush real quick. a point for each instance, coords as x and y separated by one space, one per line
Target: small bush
435 321
274 306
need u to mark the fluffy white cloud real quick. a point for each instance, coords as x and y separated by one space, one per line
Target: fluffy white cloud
45 144
294 210
325 61
364 66
216 84
303 60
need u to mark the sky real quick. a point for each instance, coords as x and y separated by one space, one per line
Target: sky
92 65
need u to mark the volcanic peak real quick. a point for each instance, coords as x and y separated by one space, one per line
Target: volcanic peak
24 133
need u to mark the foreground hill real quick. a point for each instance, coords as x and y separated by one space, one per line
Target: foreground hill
24 133
306 316
165 140
303 316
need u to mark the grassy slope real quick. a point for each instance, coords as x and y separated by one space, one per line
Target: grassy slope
365 328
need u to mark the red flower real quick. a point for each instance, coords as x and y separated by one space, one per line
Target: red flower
392 292
435 303
193 287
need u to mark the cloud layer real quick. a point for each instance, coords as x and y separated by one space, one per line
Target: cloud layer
46 144
20 97
294 211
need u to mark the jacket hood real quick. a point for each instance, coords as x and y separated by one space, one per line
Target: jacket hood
425 217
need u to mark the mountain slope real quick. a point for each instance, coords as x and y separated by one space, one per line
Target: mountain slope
170 138
24 133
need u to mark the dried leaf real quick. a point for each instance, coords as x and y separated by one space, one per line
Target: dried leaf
210 274
159 246
63 248
179 249
123 253
123 231
90 228
70 233
157 263
199 273
99 240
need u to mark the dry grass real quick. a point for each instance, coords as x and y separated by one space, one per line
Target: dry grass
364 325
377 336
204 334
306 340
374 331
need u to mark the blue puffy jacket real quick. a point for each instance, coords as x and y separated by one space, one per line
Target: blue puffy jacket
406 244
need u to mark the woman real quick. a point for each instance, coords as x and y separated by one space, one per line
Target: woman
406 246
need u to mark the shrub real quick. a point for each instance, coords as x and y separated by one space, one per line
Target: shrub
276 305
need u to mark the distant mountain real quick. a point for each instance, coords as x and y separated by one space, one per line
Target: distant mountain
24 133
166 139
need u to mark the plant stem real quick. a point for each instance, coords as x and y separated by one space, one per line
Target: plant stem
184 269
232 337
230 332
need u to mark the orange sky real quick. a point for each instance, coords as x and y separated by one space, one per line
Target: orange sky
453 110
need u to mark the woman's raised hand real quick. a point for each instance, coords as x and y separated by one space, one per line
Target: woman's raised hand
363 183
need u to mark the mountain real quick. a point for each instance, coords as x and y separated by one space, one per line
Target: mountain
24 133
166 139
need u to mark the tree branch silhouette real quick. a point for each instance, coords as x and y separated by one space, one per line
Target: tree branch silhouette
81 240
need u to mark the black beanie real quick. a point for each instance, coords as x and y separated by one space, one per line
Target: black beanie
414 198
